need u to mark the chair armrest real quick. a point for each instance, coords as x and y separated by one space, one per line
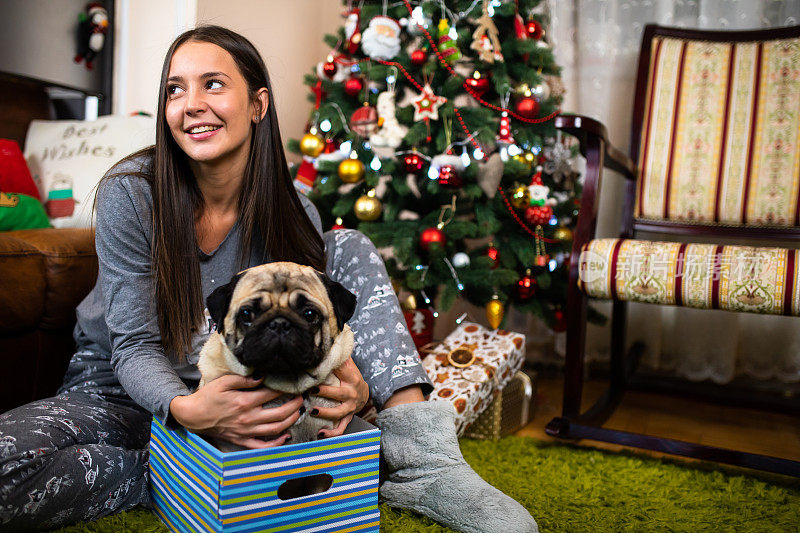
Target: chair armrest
583 128
47 273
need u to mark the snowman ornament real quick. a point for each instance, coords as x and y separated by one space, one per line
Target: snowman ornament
391 132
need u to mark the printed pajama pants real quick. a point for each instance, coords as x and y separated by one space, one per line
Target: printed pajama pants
77 456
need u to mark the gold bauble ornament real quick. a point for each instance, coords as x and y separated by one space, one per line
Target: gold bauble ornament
526 158
494 312
520 197
410 303
312 145
562 233
351 170
368 208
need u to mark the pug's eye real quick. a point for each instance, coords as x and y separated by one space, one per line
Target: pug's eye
310 315
246 317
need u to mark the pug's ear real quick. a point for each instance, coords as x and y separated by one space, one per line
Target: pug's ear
219 301
343 301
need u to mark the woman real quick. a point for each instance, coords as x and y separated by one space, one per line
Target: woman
175 221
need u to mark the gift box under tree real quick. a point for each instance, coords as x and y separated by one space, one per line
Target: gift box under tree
470 365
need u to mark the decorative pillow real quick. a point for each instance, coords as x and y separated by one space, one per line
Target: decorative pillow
68 157
20 211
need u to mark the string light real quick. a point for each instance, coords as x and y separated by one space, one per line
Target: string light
345 147
325 125
375 164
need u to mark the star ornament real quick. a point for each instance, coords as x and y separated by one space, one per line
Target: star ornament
426 105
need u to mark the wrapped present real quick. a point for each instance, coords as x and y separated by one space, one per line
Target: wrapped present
508 412
470 365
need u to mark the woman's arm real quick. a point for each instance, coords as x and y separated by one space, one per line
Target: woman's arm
122 238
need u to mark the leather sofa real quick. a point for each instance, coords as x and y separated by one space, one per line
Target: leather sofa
44 275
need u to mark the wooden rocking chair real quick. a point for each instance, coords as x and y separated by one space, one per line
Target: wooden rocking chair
716 141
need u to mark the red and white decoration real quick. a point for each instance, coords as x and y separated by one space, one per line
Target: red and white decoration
427 104
420 325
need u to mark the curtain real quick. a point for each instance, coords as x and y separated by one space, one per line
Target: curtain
597 44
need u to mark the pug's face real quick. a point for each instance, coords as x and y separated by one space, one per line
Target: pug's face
280 318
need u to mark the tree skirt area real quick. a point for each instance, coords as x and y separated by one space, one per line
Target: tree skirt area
568 488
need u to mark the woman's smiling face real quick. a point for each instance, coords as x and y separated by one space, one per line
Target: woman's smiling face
208 107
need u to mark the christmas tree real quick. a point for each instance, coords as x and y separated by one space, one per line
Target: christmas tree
432 133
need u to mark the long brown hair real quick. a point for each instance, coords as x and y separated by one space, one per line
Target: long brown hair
270 211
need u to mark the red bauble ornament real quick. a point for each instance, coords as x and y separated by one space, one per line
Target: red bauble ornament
431 237
412 162
527 107
479 85
353 86
526 286
534 29
560 322
492 253
538 215
418 57
448 176
329 68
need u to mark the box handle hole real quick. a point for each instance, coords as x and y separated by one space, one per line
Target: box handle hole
304 486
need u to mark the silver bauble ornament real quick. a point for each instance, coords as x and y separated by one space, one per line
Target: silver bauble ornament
460 260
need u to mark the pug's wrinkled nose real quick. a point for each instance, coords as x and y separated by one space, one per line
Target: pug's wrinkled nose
280 325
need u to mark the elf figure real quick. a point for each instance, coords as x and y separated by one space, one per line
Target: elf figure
92 27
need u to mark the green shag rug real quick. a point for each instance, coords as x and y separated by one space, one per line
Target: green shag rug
569 488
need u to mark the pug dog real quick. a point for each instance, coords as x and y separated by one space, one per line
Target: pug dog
284 322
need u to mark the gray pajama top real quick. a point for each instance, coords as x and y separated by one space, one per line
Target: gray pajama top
118 318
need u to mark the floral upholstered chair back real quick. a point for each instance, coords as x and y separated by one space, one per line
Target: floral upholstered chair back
720 131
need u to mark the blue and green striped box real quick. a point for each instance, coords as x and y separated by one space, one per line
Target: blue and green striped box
195 487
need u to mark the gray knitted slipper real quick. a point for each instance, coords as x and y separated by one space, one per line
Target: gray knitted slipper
428 474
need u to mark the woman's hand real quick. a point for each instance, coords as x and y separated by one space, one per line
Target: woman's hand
224 410
353 394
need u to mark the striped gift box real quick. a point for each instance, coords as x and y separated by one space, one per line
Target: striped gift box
195 487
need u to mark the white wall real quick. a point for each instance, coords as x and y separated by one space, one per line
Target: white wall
145 29
288 33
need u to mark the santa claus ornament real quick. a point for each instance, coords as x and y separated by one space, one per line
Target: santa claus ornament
92 27
351 31
381 40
